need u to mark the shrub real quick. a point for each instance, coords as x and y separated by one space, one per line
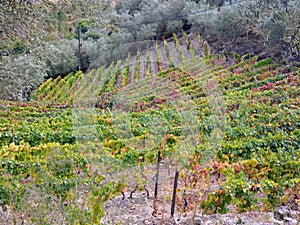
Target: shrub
274 24
20 75
60 57
280 27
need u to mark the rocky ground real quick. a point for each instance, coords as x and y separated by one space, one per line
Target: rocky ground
139 209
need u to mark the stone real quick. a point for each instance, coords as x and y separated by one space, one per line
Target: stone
282 212
289 220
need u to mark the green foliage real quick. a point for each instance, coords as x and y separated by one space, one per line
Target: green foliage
229 25
60 57
143 13
258 149
125 71
50 46
51 170
272 23
263 62
18 47
83 26
16 82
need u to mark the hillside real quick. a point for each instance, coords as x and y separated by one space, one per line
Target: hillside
84 143
40 39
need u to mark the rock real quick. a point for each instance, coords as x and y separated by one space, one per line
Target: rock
277 222
208 222
291 221
282 212
199 221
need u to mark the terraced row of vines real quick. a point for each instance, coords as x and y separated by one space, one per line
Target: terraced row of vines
230 126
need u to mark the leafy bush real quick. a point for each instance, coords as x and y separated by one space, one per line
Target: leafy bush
60 57
157 19
274 23
20 75
280 27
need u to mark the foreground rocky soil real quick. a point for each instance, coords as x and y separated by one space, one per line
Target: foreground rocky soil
139 209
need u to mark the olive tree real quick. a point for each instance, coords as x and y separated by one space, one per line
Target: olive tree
19 76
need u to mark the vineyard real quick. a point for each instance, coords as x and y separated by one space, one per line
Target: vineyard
229 126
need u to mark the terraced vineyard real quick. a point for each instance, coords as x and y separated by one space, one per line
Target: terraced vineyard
231 128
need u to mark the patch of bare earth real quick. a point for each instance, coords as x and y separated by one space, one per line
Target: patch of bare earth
140 209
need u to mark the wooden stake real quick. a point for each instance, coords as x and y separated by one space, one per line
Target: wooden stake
79 48
174 193
157 175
